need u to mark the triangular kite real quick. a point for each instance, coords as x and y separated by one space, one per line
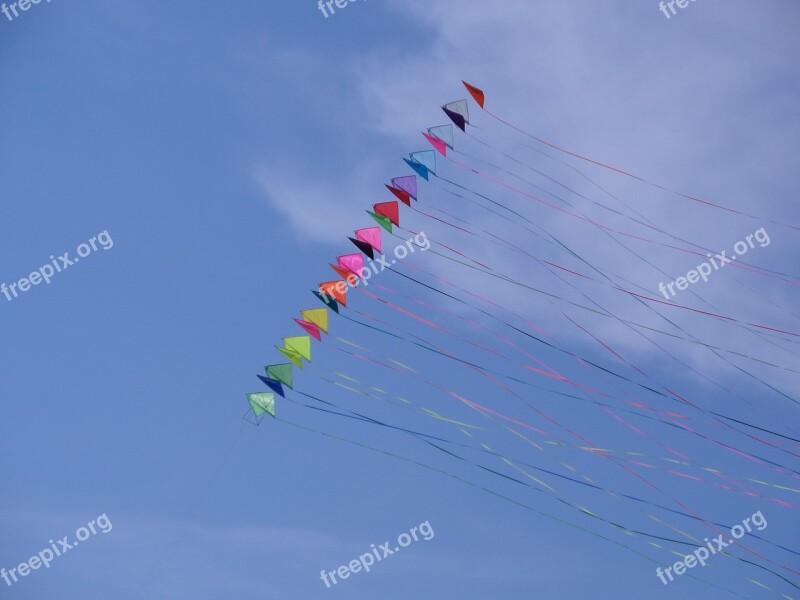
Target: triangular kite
300 344
329 302
346 274
371 235
310 329
390 210
262 402
407 183
292 356
476 93
458 113
418 169
364 247
444 133
352 262
426 158
274 385
440 146
401 195
381 220
317 316
282 373
336 290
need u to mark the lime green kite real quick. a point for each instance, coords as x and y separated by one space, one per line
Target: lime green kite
317 316
300 344
292 356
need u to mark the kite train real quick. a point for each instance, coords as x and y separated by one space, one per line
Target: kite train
527 354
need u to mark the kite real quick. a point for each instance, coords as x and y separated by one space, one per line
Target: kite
519 347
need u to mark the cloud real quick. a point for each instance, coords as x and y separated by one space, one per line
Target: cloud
311 207
656 97
664 99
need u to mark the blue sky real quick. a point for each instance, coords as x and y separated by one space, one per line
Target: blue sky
228 151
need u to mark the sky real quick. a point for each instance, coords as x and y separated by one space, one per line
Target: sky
220 156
